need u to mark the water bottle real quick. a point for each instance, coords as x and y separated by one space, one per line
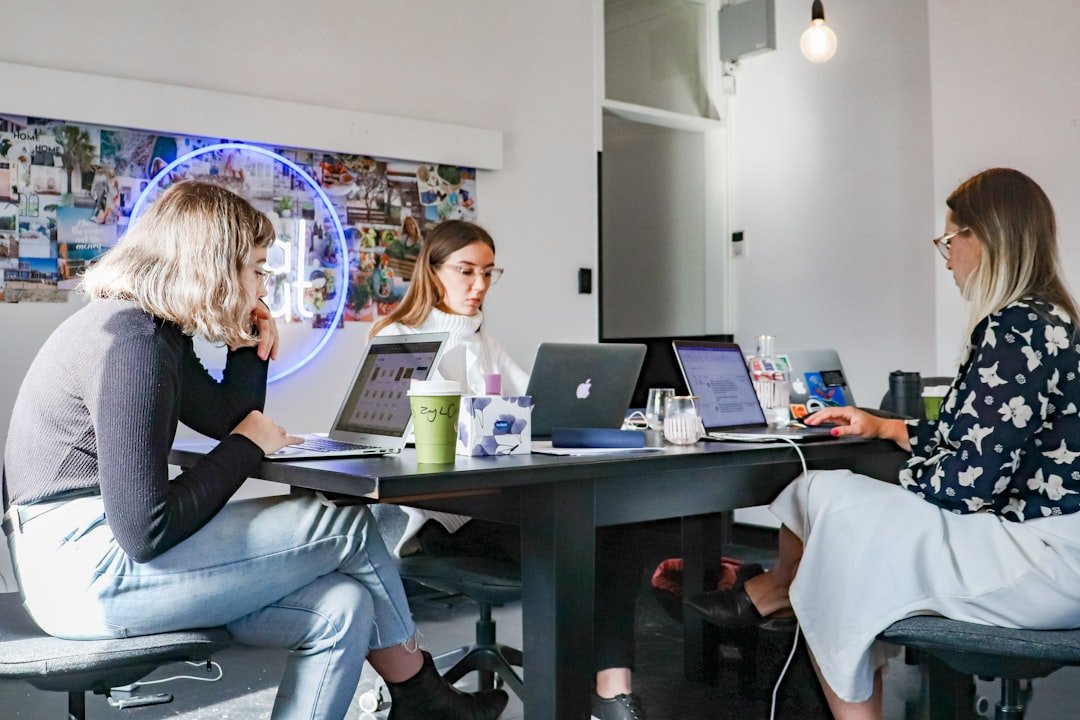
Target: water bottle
906 391
772 382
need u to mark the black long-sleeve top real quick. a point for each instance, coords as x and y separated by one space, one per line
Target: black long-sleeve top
99 408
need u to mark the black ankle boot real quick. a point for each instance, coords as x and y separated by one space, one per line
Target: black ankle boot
427 696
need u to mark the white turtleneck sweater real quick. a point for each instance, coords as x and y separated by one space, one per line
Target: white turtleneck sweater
469 353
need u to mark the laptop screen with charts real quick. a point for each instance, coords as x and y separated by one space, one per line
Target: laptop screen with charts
717 374
582 385
817 381
375 417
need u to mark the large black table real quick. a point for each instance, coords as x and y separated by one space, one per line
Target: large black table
559 502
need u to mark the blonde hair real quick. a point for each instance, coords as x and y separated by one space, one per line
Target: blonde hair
1013 221
183 261
425 290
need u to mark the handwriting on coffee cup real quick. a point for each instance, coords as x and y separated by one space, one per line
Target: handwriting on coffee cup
431 413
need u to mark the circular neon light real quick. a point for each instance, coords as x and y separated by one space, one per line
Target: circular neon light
301 173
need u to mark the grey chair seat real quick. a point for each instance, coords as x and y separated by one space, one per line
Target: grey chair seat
986 650
79 666
968 649
485 580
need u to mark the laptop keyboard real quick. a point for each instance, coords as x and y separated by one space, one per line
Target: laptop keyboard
321 444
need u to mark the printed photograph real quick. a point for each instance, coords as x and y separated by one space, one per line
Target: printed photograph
33 281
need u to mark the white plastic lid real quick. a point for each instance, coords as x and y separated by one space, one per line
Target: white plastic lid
434 387
935 390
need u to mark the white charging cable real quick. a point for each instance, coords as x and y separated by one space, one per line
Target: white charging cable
795 644
211 663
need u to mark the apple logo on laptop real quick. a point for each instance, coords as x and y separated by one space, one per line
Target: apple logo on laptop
584 388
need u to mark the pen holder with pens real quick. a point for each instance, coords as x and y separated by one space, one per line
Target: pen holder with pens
495 425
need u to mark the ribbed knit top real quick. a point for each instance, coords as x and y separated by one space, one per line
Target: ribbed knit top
469 352
99 408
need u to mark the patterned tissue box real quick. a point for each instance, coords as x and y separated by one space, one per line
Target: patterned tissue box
494 425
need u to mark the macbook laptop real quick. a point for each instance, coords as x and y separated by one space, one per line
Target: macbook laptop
375 417
717 374
817 381
582 385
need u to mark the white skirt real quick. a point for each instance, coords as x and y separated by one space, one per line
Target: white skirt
875 553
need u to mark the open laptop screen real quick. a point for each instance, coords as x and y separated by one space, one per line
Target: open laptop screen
717 374
377 403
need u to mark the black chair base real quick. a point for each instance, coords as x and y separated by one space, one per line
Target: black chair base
487 661
489 583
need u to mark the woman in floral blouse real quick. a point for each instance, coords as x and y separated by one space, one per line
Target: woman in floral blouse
983 526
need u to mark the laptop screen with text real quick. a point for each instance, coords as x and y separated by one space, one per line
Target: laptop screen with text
717 374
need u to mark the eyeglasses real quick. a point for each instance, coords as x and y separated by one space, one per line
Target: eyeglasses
944 243
469 273
264 275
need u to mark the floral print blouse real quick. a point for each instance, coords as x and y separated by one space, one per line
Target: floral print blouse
1008 439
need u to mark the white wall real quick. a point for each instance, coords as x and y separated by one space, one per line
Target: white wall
1004 94
832 185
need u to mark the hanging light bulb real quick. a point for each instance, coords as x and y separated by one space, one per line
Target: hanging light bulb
818 42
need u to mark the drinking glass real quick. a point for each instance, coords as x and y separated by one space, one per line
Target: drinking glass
682 423
655 406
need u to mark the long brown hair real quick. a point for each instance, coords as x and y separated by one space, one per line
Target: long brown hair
1013 220
183 260
425 290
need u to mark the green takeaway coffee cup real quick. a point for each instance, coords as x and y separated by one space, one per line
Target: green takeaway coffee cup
435 406
932 396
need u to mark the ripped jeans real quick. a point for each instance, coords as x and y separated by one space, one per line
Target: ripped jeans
288 572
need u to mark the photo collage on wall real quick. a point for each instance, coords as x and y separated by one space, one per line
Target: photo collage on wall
67 191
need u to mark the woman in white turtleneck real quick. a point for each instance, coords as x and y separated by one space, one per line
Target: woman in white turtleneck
454 272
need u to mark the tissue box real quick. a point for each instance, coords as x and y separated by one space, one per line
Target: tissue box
494 425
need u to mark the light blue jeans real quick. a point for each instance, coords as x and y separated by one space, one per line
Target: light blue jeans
288 572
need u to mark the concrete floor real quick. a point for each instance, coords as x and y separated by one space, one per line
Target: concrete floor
246 692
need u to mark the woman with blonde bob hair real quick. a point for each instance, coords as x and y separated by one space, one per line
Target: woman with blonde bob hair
984 525
106 544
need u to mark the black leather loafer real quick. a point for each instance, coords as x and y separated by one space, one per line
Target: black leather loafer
726 608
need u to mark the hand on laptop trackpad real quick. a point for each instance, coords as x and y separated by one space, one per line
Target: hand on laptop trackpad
823 424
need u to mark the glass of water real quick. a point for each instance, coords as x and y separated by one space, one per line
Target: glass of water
682 423
655 406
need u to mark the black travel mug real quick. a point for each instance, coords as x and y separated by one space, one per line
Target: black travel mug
906 391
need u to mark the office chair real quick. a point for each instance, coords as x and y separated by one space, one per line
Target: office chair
488 582
960 650
76 667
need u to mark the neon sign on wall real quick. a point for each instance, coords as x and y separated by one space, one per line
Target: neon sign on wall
291 287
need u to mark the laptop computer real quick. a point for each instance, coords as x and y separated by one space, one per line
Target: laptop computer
582 385
717 374
375 417
817 381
